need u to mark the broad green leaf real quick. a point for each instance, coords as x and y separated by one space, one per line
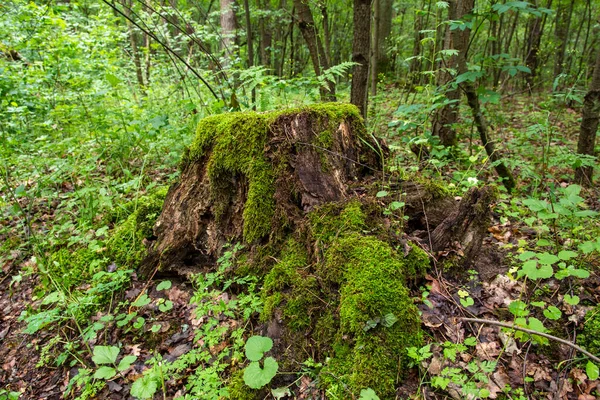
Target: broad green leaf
105 373
536 325
381 193
552 313
579 273
256 377
155 328
547 258
126 362
518 308
572 300
166 306
526 255
257 346
592 371
368 394
164 285
142 301
530 270
395 205
105 354
566 255
144 388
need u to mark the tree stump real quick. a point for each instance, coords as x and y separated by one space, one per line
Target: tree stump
332 269
249 177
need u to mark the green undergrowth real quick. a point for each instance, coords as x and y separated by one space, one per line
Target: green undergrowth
349 295
237 145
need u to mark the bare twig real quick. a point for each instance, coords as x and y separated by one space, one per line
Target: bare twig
532 332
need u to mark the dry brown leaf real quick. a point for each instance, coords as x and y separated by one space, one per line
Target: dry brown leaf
487 351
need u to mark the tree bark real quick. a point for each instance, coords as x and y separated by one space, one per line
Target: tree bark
384 30
589 126
360 54
375 46
265 37
308 29
563 23
228 26
533 48
457 39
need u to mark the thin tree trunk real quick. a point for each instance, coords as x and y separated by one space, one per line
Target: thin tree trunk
135 54
385 29
265 37
360 54
464 7
563 23
374 45
414 68
227 28
308 29
456 39
326 31
533 47
589 126
250 46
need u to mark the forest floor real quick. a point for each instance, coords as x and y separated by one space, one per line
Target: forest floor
181 329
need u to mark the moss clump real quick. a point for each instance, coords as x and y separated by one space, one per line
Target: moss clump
71 267
236 145
345 299
373 287
590 337
125 246
238 390
287 284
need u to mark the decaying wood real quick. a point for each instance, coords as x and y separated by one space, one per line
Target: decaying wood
464 229
187 232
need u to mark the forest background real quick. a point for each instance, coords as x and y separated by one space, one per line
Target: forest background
99 100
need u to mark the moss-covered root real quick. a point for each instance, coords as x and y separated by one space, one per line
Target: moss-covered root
376 314
125 245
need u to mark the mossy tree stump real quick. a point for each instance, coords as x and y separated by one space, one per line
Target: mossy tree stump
248 177
291 186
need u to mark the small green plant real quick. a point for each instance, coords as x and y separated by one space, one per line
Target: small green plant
106 357
256 376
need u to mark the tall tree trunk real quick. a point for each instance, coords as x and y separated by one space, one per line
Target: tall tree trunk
384 29
326 31
308 29
589 125
266 37
464 7
228 28
361 44
250 46
133 42
534 40
563 23
456 39
375 45
414 69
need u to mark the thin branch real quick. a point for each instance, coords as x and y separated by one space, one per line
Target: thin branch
153 36
532 332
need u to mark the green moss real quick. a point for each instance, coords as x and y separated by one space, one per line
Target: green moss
357 281
238 390
332 220
125 245
236 144
590 337
71 266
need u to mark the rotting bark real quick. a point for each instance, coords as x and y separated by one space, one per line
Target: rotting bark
466 227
